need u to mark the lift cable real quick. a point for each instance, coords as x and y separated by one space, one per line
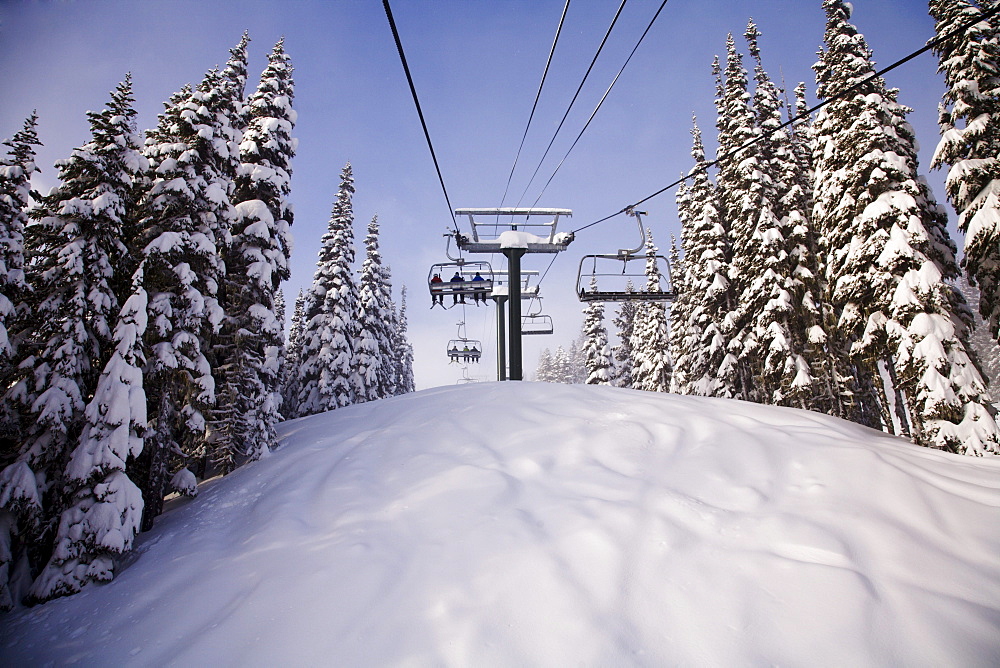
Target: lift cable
420 113
537 96
849 91
597 108
573 101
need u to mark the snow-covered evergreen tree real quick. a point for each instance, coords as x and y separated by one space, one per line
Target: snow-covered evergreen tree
543 370
249 345
887 257
73 248
705 240
970 140
328 370
982 342
15 198
624 322
403 350
779 306
596 350
680 308
373 347
650 349
194 155
290 376
741 184
104 507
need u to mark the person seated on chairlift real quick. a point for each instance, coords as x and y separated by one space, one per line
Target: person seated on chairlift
480 292
453 354
457 278
474 354
465 354
436 297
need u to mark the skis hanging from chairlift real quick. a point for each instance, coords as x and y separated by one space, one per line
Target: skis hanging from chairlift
607 278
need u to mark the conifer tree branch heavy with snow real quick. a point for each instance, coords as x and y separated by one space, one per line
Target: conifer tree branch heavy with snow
888 256
970 140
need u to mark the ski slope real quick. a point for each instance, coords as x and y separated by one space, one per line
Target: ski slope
530 524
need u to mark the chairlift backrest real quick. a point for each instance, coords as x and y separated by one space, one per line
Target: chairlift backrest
623 278
536 324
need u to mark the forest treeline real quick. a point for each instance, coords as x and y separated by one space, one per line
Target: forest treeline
815 268
142 325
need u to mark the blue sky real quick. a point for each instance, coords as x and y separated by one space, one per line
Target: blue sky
476 66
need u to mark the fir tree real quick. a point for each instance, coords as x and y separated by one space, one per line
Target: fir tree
73 246
15 198
624 322
650 354
328 370
193 153
104 506
248 350
290 383
970 141
373 347
705 240
403 354
888 255
596 350
544 371
779 304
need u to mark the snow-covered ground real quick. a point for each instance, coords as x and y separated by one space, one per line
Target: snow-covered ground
551 525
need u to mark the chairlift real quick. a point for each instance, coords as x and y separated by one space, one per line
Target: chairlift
536 322
463 349
532 229
460 278
622 277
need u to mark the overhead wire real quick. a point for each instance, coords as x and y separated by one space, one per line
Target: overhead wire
420 113
805 114
573 101
601 102
538 94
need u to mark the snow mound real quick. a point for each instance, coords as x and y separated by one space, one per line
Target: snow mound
550 525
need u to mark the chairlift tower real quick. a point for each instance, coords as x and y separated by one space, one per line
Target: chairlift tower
513 231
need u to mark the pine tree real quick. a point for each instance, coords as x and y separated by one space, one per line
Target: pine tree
373 347
74 246
249 345
970 140
779 305
706 243
403 355
328 366
104 507
741 184
193 153
650 355
293 351
624 322
544 371
15 198
888 255
680 308
596 350
982 342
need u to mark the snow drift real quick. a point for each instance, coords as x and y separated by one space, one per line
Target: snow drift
555 525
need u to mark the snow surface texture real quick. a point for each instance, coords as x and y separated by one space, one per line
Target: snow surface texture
537 524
